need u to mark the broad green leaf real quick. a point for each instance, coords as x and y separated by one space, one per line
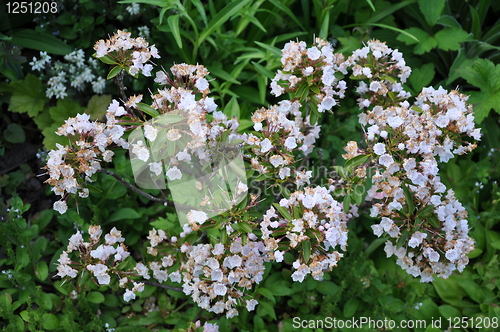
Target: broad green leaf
40 41
148 109
64 109
431 9
263 70
325 26
449 290
232 108
449 311
28 96
422 77
306 250
267 293
283 211
350 307
448 21
449 39
381 14
473 290
265 308
223 16
42 270
14 133
356 161
173 23
114 71
328 288
95 297
108 59
486 76
461 62
425 42
123 213
98 106
50 321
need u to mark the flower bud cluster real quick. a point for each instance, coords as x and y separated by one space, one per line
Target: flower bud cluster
133 53
427 225
316 68
70 167
218 276
312 222
381 72
101 259
279 131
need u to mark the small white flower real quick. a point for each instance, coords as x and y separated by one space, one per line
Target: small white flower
150 132
290 143
197 216
156 168
61 207
379 148
266 145
174 174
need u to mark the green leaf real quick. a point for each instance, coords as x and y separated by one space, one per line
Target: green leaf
232 108
265 308
448 21
114 71
159 3
409 199
42 270
350 307
97 106
449 39
356 161
449 311
306 250
267 293
425 43
148 109
64 109
50 321
283 211
486 76
328 288
347 202
221 73
473 290
173 23
28 96
14 133
422 77
431 9
219 19
122 214
95 297
108 59
40 41
274 50
286 10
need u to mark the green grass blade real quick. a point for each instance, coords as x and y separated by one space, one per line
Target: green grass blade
287 11
389 10
371 5
173 23
219 19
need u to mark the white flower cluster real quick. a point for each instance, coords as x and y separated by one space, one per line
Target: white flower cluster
139 49
411 140
101 259
217 276
90 146
384 69
280 130
311 218
75 71
316 66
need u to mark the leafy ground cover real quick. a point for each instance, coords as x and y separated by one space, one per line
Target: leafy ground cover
48 75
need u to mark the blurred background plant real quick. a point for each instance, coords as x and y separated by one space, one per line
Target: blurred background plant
448 43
